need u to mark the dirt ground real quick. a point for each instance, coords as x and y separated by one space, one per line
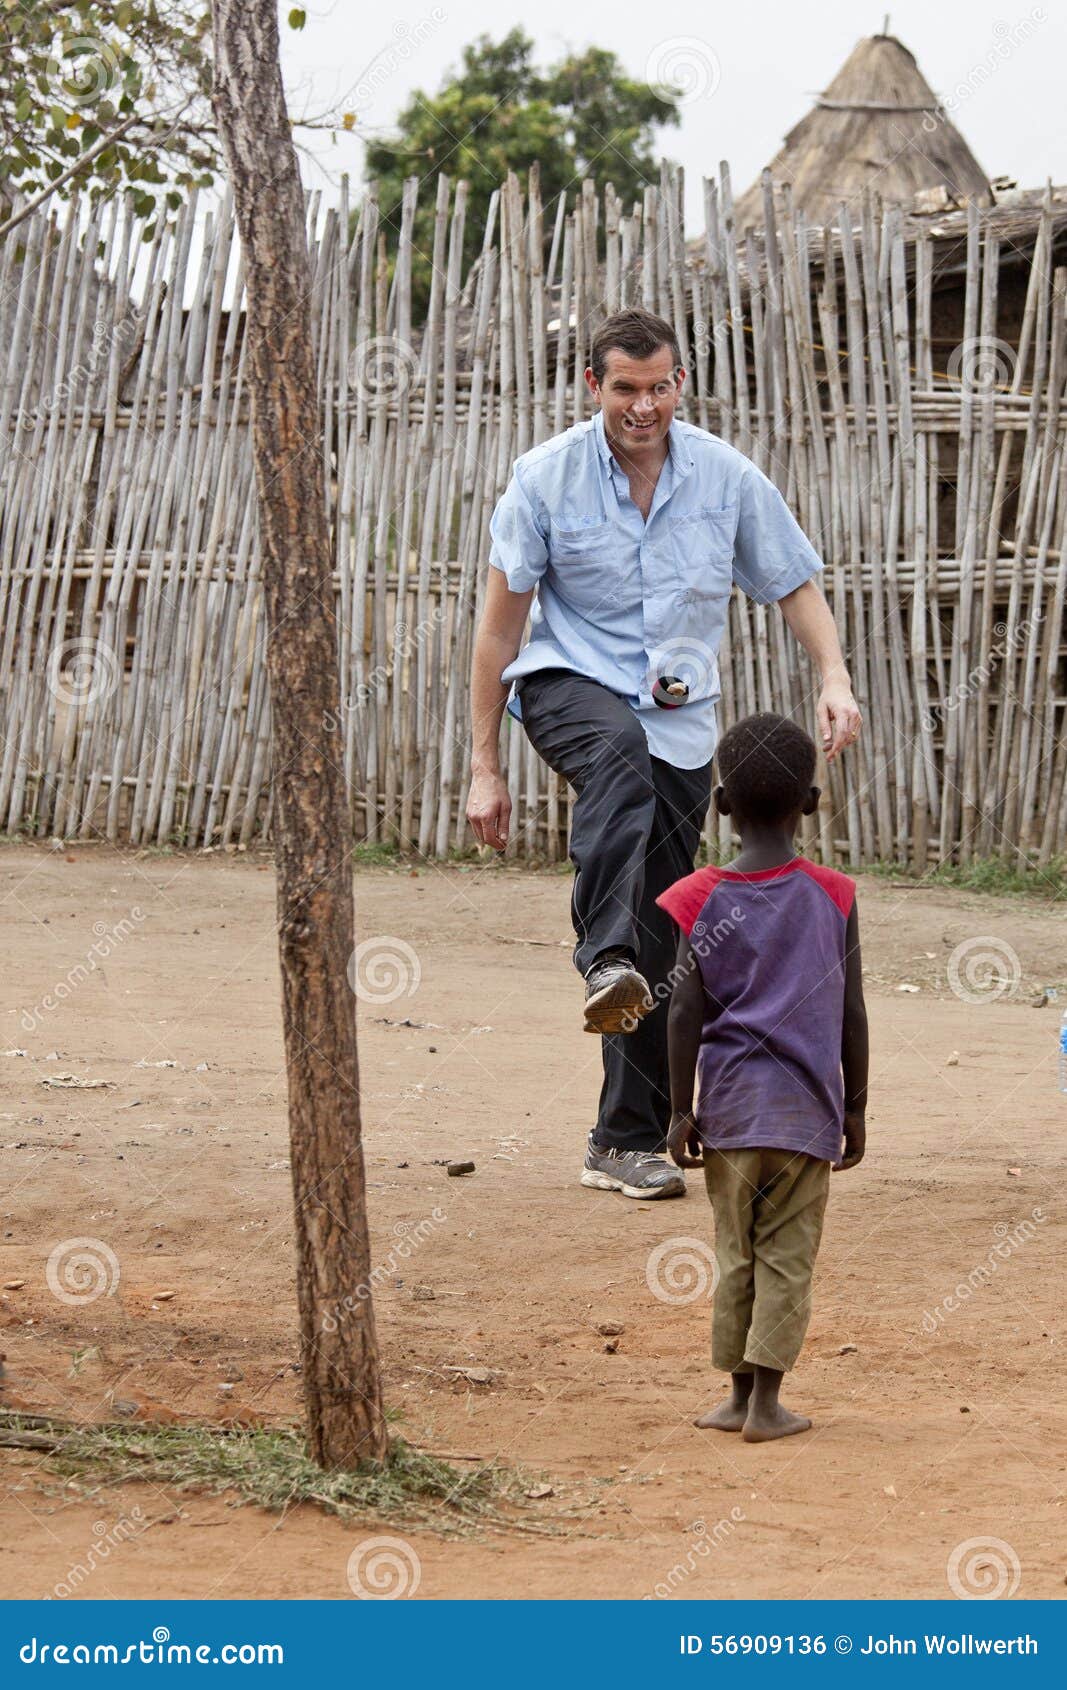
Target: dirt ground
933 1368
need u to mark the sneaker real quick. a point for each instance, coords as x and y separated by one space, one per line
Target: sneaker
616 995
636 1173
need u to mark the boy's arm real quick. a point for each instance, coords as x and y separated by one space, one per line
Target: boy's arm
854 1049
685 1019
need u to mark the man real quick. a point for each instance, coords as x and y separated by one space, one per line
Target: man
632 529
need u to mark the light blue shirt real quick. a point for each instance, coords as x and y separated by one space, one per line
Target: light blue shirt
623 600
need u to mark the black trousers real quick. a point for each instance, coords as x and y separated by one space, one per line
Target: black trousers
635 828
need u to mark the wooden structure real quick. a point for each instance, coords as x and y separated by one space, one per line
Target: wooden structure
133 688
878 128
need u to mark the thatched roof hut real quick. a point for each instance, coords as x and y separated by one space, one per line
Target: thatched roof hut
878 125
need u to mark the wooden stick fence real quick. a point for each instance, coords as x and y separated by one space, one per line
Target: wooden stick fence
133 689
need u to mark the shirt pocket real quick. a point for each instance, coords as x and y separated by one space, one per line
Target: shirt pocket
587 559
702 552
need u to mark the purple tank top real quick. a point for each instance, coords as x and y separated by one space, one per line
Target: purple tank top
770 946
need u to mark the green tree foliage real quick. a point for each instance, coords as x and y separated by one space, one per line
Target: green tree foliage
610 119
582 117
78 72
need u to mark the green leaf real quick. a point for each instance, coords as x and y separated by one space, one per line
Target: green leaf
297 18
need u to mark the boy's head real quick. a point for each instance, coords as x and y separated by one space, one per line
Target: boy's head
766 764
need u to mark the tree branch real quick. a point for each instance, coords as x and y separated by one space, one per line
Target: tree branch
79 164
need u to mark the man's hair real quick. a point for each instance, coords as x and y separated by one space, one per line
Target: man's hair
637 333
766 764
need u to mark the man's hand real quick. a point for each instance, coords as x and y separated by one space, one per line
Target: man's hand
489 809
811 620
839 717
855 1130
683 1141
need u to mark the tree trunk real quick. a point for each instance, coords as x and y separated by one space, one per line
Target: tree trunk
311 820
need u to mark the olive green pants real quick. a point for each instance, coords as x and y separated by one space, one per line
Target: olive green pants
768 1207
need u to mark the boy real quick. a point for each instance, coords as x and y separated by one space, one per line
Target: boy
768 1005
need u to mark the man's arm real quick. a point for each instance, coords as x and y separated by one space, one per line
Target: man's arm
496 645
855 1053
771 551
811 621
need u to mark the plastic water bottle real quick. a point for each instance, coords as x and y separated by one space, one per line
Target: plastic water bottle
1063 1052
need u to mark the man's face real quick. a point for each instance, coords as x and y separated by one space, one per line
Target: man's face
638 398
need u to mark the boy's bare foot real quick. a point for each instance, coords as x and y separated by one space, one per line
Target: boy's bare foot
730 1416
764 1424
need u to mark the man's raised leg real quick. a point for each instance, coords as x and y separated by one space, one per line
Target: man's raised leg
635 1100
635 828
591 736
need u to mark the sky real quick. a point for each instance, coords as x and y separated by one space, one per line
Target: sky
750 71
